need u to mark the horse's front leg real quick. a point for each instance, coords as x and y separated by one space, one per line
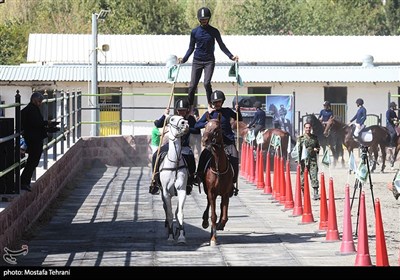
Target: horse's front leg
181 239
396 151
213 239
223 218
167 205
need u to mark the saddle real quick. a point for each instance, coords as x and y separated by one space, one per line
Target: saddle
364 137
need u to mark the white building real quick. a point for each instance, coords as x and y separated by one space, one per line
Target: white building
315 68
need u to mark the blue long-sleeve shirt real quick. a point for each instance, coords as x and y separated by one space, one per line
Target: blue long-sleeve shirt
360 116
192 130
325 114
259 118
390 115
226 115
202 42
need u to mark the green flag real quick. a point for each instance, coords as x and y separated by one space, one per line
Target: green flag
172 73
259 138
362 172
326 159
232 70
277 141
295 152
352 162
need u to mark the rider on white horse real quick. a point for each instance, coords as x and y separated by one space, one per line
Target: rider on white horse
217 99
182 109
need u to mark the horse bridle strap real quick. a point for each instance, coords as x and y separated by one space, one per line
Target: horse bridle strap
174 169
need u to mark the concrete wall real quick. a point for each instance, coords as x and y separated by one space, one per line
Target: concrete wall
27 207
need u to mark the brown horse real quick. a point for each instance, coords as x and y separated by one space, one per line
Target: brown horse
218 178
267 135
380 139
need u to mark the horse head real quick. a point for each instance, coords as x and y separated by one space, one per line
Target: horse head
213 135
178 126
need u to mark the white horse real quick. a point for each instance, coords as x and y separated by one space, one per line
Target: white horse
173 177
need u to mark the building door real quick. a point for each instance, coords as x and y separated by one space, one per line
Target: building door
110 111
337 96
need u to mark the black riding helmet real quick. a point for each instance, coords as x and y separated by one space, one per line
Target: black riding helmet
359 101
182 104
327 103
203 13
217 95
392 105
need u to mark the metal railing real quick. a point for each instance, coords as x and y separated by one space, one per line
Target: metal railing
69 117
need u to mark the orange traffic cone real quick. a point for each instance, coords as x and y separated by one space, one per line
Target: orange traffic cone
277 178
298 205
332 233
257 166
241 158
251 171
260 181
282 197
267 183
323 207
289 203
245 162
363 258
381 252
347 246
307 212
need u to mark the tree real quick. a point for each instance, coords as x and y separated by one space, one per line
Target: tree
392 12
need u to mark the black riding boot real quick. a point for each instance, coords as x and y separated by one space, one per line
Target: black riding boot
235 164
204 156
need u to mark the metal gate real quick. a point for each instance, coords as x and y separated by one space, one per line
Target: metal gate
110 119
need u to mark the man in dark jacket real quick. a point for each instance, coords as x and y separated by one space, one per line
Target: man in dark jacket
34 131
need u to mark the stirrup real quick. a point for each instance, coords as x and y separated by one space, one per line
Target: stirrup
154 189
189 189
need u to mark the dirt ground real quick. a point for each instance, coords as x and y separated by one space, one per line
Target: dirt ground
389 205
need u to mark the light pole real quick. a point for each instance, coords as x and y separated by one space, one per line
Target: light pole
93 99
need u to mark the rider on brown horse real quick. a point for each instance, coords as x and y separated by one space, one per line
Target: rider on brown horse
217 99
391 123
359 117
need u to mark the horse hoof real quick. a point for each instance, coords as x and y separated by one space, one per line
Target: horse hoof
170 238
220 227
213 243
205 224
181 241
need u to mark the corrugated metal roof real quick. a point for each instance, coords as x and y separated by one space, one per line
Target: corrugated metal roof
158 74
154 49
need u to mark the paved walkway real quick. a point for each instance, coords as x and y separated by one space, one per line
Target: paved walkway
110 219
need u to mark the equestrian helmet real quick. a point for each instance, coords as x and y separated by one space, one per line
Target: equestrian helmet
327 103
182 104
392 105
217 95
359 101
203 13
257 104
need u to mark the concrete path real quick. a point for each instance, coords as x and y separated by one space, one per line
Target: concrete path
110 219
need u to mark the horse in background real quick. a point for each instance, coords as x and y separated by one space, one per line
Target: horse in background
343 132
218 178
317 129
173 177
379 139
267 136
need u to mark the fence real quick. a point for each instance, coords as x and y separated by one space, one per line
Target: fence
69 116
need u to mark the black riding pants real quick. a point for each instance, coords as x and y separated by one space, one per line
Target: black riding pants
197 70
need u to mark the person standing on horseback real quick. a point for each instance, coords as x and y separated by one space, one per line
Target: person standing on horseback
392 122
359 117
182 109
202 42
310 142
325 113
259 119
217 100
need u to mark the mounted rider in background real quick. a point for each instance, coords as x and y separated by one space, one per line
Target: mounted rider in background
359 117
325 113
258 120
392 122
